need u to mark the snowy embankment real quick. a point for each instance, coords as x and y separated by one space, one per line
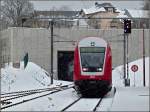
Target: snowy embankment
134 97
32 77
136 78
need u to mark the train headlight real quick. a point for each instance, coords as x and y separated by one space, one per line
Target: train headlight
85 69
99 69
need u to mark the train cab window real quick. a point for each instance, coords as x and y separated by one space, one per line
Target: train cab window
92 58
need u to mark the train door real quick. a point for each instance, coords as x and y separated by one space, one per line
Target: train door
65 65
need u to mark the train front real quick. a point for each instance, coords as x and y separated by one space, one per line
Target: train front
92 67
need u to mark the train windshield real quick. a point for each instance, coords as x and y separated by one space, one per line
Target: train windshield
92 58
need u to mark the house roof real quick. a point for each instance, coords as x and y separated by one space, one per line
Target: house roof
121 13
97 8
138 13
93 10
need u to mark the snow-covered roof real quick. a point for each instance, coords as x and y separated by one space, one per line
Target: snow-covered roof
98 8
93 10
121 13
122 16
138 13
119 10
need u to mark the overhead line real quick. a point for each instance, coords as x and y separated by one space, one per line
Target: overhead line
86 18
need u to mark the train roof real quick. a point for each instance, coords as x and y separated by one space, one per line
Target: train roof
92 41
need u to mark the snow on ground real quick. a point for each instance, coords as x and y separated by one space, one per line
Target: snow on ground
53 102
135 97
131 99
32 77
117 74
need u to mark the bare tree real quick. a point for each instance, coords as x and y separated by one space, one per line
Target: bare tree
14 10
0 40
146 5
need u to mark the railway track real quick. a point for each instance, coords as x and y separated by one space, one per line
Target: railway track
64 109
19 92
88 104
14 95
6 99
100 100
80 104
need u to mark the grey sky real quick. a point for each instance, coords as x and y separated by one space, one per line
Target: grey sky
77 5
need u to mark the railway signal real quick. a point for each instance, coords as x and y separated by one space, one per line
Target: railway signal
127 26
127 31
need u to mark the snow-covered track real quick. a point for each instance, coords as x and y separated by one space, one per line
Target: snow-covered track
17 93
90 104
33 90
80 104
100 100
70 104
14 96
48 92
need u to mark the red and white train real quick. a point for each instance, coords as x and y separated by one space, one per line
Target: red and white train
92 67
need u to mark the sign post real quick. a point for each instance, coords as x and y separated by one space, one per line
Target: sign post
134 68
134 79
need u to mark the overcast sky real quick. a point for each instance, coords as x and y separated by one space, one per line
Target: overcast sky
78 5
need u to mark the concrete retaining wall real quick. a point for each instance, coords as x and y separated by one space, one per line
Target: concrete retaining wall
36 41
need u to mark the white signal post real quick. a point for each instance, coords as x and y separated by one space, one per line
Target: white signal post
134 68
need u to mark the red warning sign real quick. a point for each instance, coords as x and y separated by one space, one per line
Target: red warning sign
134 68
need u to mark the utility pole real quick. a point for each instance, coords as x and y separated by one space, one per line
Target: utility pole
143 58
124 56
0 53
52 24
127 57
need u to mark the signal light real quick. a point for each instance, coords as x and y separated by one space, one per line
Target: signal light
127 26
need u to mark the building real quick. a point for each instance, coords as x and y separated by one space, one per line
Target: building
114 16
104 10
